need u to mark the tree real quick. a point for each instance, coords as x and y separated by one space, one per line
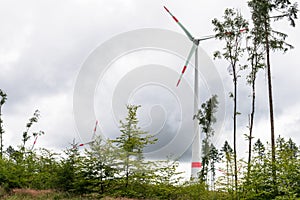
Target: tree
2 101
259 149
132 142
45 167
263 11
26 136
231 31
227 155
206 118
100 165
69 176
256 61
214 158
288 170
259 183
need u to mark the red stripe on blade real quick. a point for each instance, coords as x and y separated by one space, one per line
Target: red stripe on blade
166 9
196 165
176 20
81 145
178 82
183 70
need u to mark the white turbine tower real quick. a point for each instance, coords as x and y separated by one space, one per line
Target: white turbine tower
196 147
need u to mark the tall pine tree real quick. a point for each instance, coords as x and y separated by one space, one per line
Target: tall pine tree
263 12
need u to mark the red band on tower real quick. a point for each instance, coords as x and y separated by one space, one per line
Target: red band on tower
196 164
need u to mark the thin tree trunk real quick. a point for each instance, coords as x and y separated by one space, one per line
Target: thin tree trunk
251 120
127 157
127 171
101 182
270 105
227 171
234 127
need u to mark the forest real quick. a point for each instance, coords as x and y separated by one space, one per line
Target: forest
115 168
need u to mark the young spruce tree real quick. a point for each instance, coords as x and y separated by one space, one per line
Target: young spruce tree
132 142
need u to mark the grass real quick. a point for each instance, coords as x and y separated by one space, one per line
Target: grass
29 194
26 194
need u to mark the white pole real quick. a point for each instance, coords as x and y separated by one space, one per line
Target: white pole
196 146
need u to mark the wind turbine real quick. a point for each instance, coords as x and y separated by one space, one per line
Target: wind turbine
196 147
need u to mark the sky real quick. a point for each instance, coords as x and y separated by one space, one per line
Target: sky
46 46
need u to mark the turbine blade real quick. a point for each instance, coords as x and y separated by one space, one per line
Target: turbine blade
181 26
95 129
187 62
179 80
207 37
87 143
91 142
190 54
35 139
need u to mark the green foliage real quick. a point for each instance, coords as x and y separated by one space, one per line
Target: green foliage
195 191
2 101
118 168
26 136
226 181
288 166
206 118
69 171
206 115
263 11
29 194
99 171
259 184
131 143
99 166
3 97
133 139
229 30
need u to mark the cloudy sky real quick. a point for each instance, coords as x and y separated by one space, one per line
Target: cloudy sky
45 44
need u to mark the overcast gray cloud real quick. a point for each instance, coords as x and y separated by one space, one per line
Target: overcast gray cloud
43 45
